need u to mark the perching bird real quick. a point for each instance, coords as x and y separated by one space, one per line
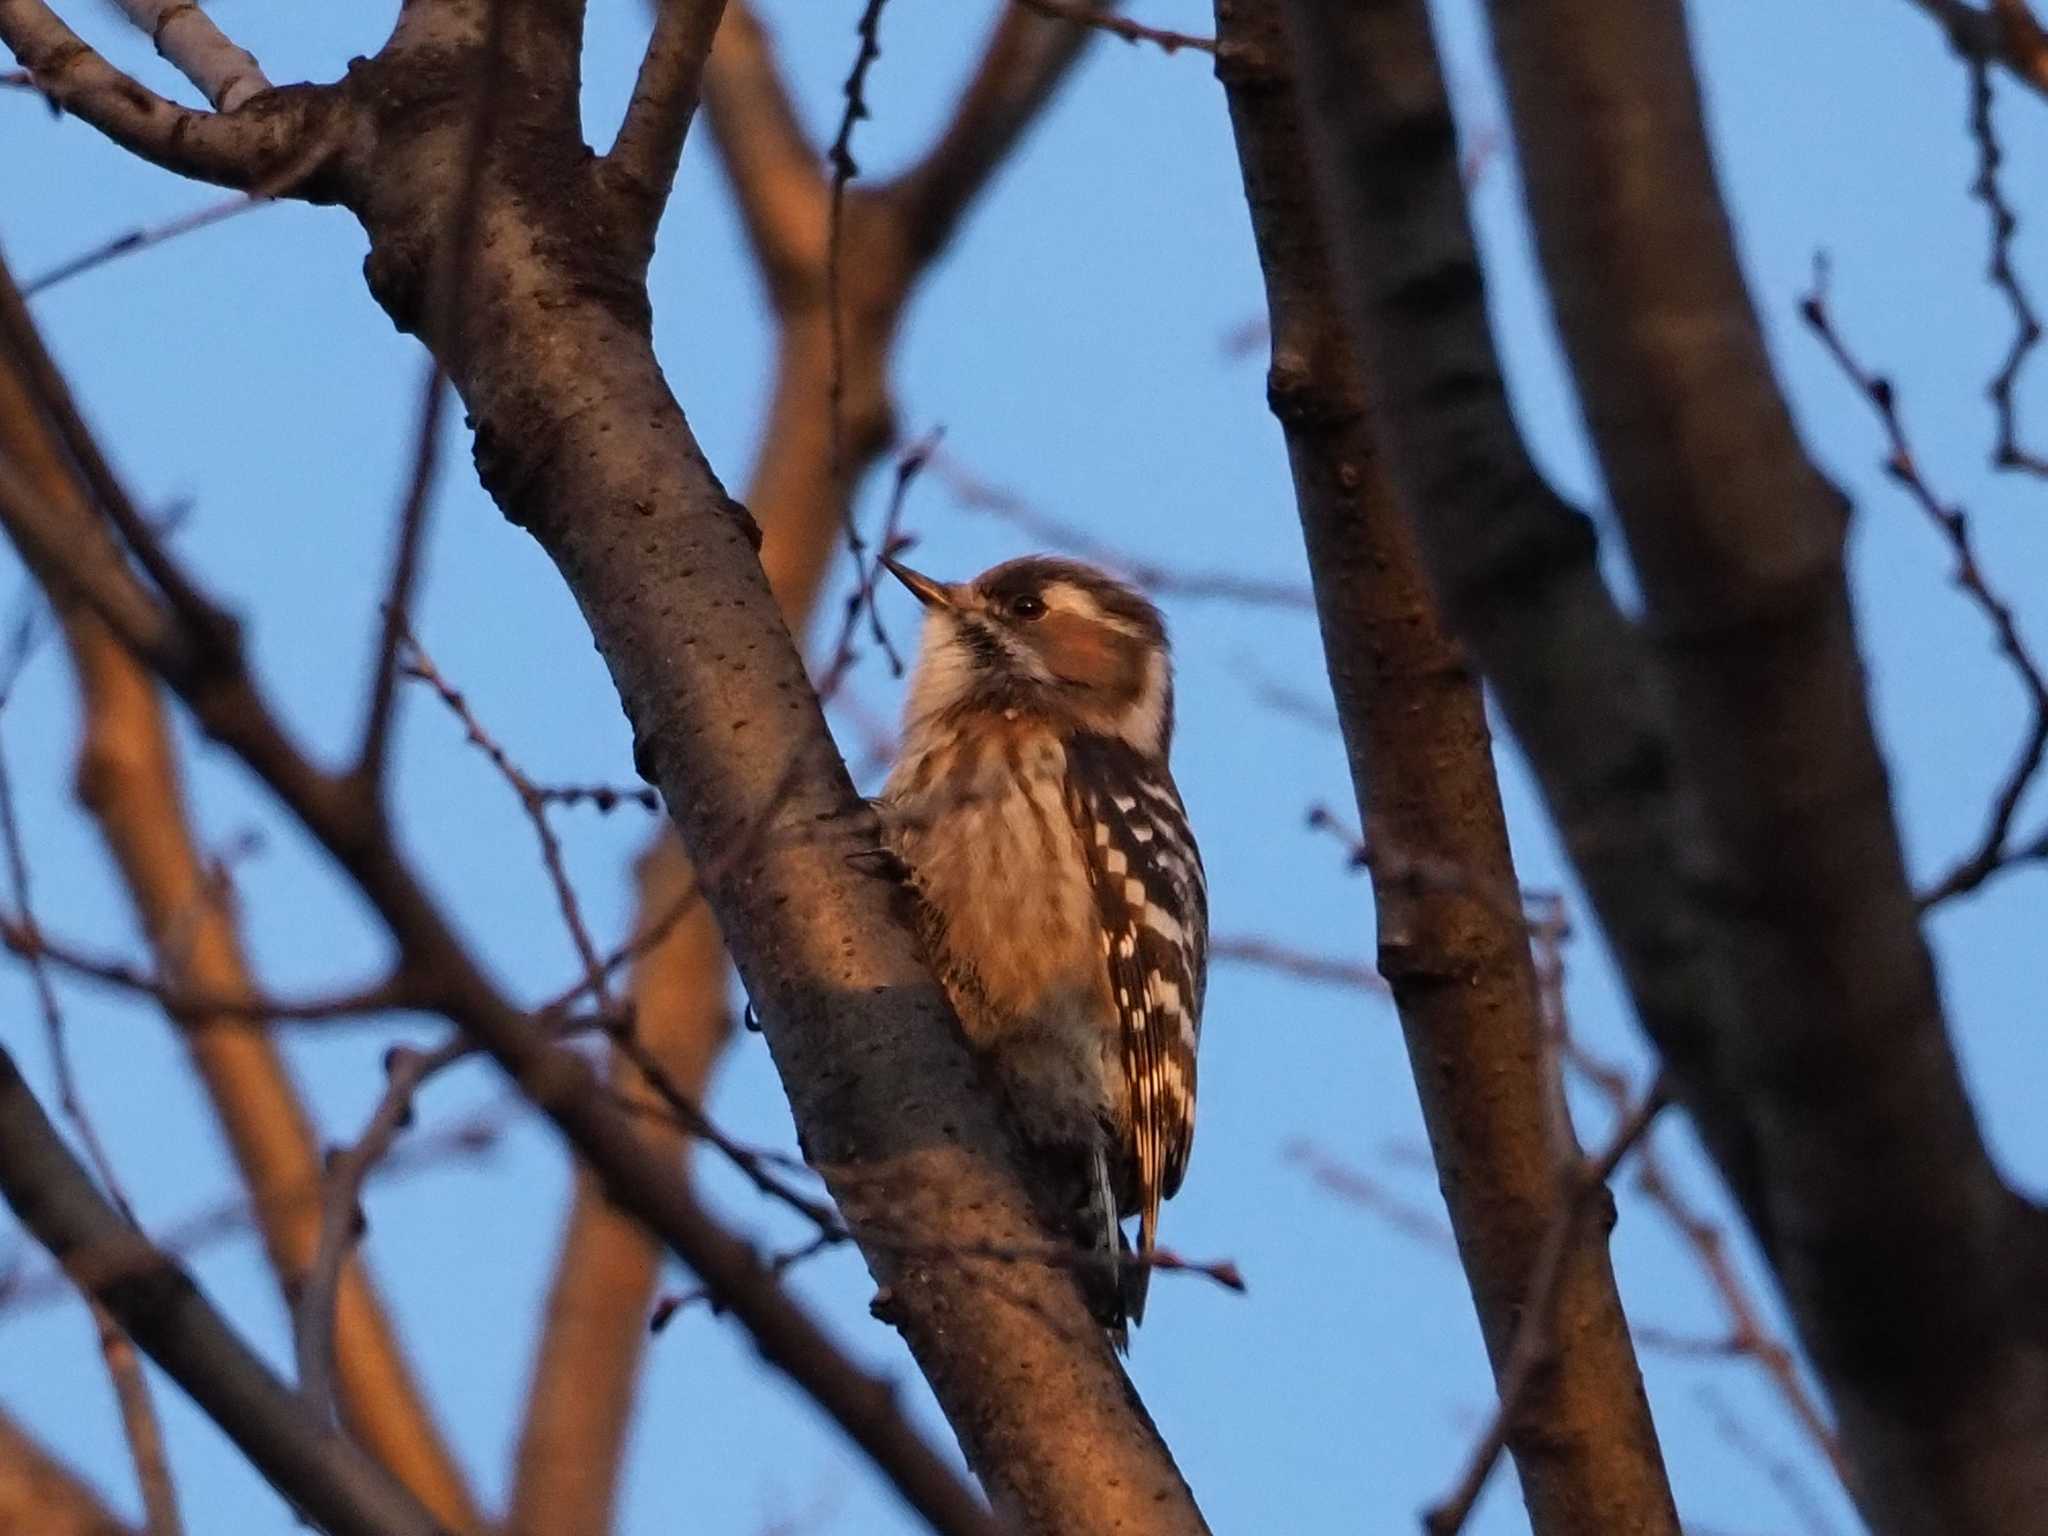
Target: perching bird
1059 889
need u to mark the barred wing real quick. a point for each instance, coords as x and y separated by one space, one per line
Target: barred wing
1154 905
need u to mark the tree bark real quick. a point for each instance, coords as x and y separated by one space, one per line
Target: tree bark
1776 956
1913 1271
1452 940
547 337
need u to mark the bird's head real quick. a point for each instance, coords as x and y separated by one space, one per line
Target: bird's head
1045 637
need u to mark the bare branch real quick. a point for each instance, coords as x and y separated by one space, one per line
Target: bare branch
69 1100
650 141
767 157
1995 851
374 755
141 238
341 1219
193 45
229 709
140 1427
1271 955
245 149
1453 941
1867 1178
129 779
1535 1344
165 1313
531 800
1023 64
1083 15
2007 452
572 1443
39 1493
2005 31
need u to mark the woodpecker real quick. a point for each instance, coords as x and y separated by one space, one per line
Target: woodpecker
1059 892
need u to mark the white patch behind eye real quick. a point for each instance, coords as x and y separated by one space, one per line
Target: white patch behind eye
1143 725
1065 597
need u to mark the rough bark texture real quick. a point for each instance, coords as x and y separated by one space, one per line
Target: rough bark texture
1515 564
547 339
1913 1271
1746 865
1452 942
570 1447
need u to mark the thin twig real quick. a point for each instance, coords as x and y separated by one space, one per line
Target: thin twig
867 575
141 238
140 1427
977 495
375 753
844 169
341 1218
1360 1189
1119 26
1993 852
2006 453
1271 955
421 666
69 1100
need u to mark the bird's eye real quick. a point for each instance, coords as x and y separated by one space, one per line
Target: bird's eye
1027 605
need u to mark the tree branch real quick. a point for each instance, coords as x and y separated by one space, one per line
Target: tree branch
2005 31
580 442
140 1427
260 144
1454 951
192 44
573 1441
1025 61
337 813
650 142
1897 1244
129 779
39 1493
324 1476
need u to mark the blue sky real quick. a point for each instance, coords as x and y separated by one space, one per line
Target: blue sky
1074 348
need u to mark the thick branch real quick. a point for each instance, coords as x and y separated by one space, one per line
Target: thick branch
1455 951
1909 1266
327 1478
581 443
337 811
1516 566
569 1452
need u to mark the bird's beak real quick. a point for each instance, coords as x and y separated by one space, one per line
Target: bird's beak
933 594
